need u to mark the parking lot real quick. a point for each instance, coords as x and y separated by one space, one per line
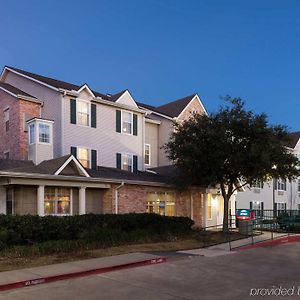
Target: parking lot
231 276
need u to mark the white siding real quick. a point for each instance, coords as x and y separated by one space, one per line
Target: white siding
104 138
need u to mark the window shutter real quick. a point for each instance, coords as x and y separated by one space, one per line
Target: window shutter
93 115
135 164
261 205
73 111
118 121
275 184
119 161
251 204
284 206
94 159
74 151
135 124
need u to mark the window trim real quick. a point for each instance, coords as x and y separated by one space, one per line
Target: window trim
280 203
131 156
34 135
90 155
6 152
38 135
149 164
281 181
131 113
56 200
89 112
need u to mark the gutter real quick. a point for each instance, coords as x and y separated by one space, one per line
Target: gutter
117 197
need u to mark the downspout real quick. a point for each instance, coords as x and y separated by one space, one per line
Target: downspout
117 196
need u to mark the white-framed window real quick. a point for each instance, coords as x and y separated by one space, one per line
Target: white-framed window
258 185
161 203
281 184
280 206
83 155
127 162
257 205
57 201
44 133
6 119
147 154
127 122
31 133
83 112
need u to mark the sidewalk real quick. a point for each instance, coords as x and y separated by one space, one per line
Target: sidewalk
224 249
50 273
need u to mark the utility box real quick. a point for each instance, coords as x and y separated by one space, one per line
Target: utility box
246 227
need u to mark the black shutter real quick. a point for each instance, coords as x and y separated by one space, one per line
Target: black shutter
118 163
93 115
135 164
261 205
135 124
74 151
73 111
94 159
275 184
284 206
251 204
118 121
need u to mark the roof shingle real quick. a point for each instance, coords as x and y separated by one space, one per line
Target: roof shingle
14 90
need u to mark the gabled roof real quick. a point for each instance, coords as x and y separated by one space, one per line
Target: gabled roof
59 84
294 138
14 90
174 108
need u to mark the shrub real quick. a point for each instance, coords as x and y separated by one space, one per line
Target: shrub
106 230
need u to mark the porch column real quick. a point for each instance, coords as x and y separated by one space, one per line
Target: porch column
82 201
41 200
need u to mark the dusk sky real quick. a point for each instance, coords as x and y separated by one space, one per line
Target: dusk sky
163 50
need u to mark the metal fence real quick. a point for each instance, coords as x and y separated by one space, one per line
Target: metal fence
268 214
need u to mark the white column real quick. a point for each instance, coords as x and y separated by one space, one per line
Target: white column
41 200
2 199
82 201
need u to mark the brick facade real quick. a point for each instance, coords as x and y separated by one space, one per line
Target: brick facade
15 139
133 198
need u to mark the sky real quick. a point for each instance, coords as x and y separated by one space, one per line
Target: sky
163 50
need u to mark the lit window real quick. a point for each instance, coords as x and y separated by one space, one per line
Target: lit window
281 184
209 208
127 162
31 133
84 157
6 118
147 154
126 122
161 203
83 113
44 133
57 201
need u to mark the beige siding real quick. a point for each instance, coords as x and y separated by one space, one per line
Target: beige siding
40 152
104 138
151 138
194 105
51 108
94 199
25 200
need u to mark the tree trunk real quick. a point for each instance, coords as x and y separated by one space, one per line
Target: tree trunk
226 197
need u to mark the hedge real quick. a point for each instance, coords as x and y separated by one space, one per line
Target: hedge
107 229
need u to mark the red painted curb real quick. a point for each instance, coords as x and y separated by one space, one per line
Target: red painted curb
278 241
41 280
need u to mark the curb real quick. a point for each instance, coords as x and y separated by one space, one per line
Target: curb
48 279
275 242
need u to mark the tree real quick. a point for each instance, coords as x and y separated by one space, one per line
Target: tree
230 149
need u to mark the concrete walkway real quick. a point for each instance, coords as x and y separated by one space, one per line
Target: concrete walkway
224 249
55 272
